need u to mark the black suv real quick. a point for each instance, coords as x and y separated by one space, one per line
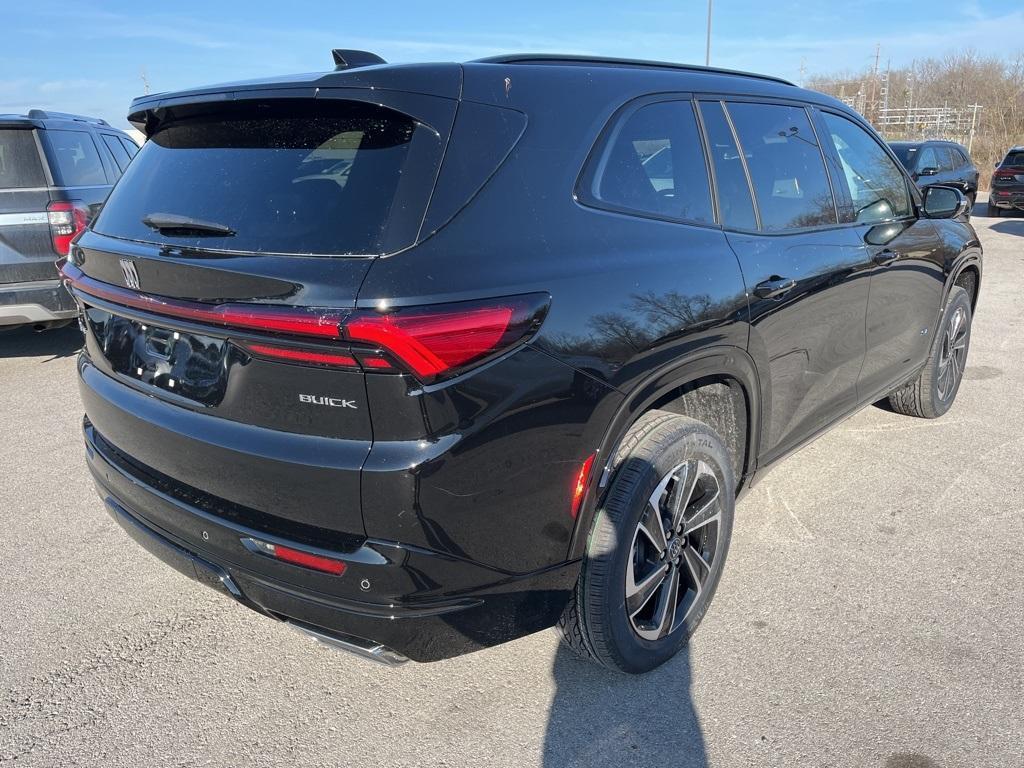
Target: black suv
420 359
56 170
1007 191
939 162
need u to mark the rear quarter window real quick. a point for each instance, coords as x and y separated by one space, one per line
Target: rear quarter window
75 159
652 162
19 160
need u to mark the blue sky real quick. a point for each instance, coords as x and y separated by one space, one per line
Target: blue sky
90 57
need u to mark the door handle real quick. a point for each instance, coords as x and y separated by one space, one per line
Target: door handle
885 256
774 287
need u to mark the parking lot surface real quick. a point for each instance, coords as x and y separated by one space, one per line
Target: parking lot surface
871 614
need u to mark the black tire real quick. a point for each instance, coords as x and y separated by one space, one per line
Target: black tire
597 624
932 393
971 197
994 210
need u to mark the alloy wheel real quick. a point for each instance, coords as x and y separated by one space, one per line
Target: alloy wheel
673 550
952 354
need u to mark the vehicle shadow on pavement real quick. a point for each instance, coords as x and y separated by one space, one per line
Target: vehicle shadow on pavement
55 344
1009 227
599 717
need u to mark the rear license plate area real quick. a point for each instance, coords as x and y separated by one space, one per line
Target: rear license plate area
189 365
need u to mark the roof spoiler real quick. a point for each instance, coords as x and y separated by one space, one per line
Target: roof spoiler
345 58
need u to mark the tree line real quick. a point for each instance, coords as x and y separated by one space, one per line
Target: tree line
936 98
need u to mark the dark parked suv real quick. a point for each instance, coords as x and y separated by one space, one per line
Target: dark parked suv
1008 184
420 359
939 162
56 170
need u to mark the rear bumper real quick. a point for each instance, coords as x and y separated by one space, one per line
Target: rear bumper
422 604
1007 198
40 301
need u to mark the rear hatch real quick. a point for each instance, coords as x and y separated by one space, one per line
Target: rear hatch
26 249
1010 172
215 282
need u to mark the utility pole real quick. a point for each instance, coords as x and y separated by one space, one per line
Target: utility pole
145 81
974 120
872 105
707 46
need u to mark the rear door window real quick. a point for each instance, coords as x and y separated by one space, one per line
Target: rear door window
877 187
284 177
653 163
929 158
735 206
948 156
130 147
120 154
786 166
20 166
75 159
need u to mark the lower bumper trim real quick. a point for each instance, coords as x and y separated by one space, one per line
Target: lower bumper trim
364 649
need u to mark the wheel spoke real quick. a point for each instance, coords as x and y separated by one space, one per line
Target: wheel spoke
682 493
638 594
697 567
665 612
652 527
708 513
943 379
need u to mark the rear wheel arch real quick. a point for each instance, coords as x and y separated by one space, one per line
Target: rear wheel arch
718 386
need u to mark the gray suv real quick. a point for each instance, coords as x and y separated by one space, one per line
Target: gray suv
56 170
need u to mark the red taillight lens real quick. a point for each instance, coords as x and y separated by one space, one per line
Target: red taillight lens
296 556
300 321
580 490
306 356
431 342
67 219
446 338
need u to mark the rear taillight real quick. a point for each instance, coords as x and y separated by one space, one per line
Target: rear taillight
432 342
67 219
444 339
1006 174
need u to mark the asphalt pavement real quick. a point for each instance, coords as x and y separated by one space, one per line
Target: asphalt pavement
871 614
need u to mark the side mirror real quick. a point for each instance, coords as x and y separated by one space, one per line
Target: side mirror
929 171
944 202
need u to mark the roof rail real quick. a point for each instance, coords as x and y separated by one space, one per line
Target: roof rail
41 114
347 58
557 58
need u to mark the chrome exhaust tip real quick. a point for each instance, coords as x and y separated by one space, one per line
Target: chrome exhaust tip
366 649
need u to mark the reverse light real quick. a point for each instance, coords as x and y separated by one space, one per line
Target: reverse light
66 219
443 339
580 490
296 556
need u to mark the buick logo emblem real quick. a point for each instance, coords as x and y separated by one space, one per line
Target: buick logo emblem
131 276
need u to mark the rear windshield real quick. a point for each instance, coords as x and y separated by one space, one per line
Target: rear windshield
1015 159
907 155
322 178
19 160
75 159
